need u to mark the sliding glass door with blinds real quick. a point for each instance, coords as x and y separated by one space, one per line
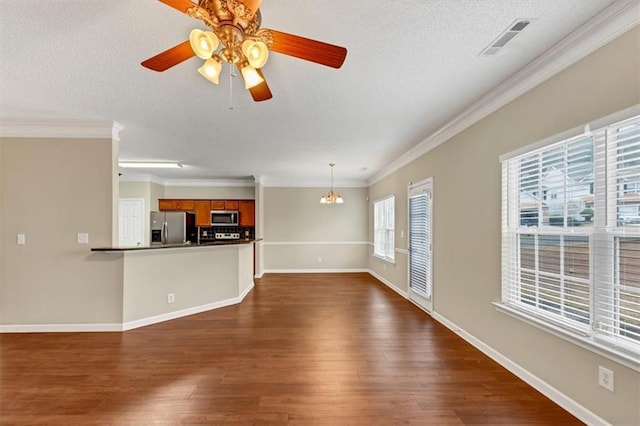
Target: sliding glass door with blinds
420 244
571 235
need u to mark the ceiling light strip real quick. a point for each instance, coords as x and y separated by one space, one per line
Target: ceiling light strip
149 165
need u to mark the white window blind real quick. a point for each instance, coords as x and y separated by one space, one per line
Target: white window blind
384 228
420 244
617 301
571 234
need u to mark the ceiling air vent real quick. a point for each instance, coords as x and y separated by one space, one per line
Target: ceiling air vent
505 37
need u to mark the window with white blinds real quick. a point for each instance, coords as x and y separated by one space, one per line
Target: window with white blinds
420 240
571 235
420 243
384 219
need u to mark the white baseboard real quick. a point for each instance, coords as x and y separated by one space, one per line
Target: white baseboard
177 314
389 284
314 271
186 312
578 410
130 325
246 291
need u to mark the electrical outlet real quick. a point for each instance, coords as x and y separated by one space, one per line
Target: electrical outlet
21 239
83 238
171 297
605 378
319 260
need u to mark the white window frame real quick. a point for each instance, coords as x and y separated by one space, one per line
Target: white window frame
384 249
603 238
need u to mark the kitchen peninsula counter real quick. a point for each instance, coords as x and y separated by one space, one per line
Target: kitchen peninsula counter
174 246
164 282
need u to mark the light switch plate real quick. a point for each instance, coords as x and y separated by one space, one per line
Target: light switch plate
83 238
21 239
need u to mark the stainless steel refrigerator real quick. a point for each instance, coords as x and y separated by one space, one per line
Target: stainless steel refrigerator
170 227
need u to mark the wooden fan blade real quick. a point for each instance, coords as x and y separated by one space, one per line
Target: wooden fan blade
307 49
169 58
243 9
252 6
181 5
261 92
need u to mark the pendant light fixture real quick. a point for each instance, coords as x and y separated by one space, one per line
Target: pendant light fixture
331 197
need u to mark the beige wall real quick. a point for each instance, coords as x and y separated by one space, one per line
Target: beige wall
210 192
467 192
135 190
2 268
51 190
156 192
197 276
298 230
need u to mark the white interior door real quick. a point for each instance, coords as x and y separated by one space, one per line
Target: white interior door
420 244
131 222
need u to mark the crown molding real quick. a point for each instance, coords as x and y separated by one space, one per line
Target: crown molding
188 182
75 129
337 183
142 178
240 182
248 182
611 23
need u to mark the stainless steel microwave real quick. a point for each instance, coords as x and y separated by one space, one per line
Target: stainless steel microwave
224 218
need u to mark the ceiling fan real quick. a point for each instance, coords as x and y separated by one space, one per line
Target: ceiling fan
235 28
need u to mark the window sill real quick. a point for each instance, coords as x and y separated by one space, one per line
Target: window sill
384 259
588 343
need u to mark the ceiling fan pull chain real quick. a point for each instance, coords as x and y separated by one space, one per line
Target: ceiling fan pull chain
231 75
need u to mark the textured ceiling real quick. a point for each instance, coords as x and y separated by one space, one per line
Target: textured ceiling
411 67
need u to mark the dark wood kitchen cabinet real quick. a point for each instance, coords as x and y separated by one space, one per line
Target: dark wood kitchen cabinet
231 205
202 208
224 204
247 211
176 205
186 205
203 212
166 205
217 205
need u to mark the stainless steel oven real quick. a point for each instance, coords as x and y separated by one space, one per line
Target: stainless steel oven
224 218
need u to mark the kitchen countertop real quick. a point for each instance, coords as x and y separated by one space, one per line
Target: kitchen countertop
175 246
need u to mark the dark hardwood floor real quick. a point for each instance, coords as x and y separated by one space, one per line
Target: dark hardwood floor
317 349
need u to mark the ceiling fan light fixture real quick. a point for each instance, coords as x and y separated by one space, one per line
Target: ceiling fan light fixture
256 52
229 24
211 69
251 77
203 43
